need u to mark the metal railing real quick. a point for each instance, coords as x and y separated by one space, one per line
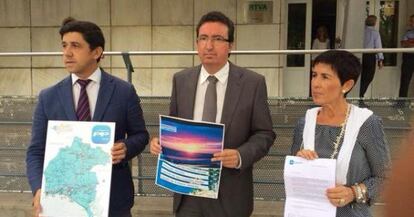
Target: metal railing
252 52
15 125
285 112
129 67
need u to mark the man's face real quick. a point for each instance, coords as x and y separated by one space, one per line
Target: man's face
77 56
212 45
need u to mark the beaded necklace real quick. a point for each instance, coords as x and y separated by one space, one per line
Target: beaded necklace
341 134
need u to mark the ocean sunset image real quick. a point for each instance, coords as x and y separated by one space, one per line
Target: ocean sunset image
192 144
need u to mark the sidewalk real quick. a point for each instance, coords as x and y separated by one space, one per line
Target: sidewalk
19 205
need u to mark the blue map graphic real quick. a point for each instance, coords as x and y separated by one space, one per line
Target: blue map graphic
69 173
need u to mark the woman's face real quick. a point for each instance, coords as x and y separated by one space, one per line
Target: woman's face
325 85
321 33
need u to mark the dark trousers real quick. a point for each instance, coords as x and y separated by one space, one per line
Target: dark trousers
407 69
124 213
200 207
368 71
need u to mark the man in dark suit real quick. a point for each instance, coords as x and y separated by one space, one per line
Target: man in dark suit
107 98
240 103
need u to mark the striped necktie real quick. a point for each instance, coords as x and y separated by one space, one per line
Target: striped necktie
83 111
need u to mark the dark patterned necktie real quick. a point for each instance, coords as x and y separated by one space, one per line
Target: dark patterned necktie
83 111
210 100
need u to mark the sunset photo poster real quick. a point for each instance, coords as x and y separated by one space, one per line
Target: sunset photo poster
185 165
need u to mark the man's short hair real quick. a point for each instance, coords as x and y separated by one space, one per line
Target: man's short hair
371 20
217 16
91 32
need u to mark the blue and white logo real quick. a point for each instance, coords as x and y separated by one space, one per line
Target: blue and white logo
101 134
291 162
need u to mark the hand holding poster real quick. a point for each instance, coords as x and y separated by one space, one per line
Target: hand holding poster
185 165
77 169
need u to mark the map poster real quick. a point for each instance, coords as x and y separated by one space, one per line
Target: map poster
77 169
185 165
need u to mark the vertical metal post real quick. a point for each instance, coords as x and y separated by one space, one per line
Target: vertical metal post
128 66
130 69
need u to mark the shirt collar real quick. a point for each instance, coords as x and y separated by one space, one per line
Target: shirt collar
95 77
221 75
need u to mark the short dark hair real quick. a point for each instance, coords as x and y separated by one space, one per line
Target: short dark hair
90 32
217 16
345 64
371 20
412 16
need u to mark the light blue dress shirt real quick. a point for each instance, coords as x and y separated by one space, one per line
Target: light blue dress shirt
409 35
372 39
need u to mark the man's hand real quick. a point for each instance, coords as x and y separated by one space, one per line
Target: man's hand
229 158
36 204
118 152
380 64
155 147
407 43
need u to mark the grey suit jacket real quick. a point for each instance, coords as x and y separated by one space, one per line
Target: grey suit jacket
248 128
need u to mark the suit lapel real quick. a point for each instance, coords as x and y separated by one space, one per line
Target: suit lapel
232 95
106 89
190 93
66 98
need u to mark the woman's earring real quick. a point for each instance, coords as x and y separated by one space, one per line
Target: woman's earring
343 91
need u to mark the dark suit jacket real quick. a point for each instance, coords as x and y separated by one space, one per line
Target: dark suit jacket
117 102
248 128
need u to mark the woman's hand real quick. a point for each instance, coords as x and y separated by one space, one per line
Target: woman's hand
340 195
307 154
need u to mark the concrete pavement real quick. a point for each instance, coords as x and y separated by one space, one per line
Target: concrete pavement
19 205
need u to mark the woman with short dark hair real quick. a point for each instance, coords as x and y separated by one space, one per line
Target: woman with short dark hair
338 130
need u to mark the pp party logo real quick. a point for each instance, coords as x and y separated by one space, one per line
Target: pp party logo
101 134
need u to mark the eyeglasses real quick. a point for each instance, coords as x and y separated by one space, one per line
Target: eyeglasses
217 39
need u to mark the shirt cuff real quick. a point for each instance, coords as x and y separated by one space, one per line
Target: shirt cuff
240 161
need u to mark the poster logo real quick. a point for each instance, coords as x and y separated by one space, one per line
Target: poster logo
101 134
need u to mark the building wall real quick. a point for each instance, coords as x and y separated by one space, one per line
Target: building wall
134 25
128 25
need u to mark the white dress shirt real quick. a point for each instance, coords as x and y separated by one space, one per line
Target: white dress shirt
92 89
318 45
222 75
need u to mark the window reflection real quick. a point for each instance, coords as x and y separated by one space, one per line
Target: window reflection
296 33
